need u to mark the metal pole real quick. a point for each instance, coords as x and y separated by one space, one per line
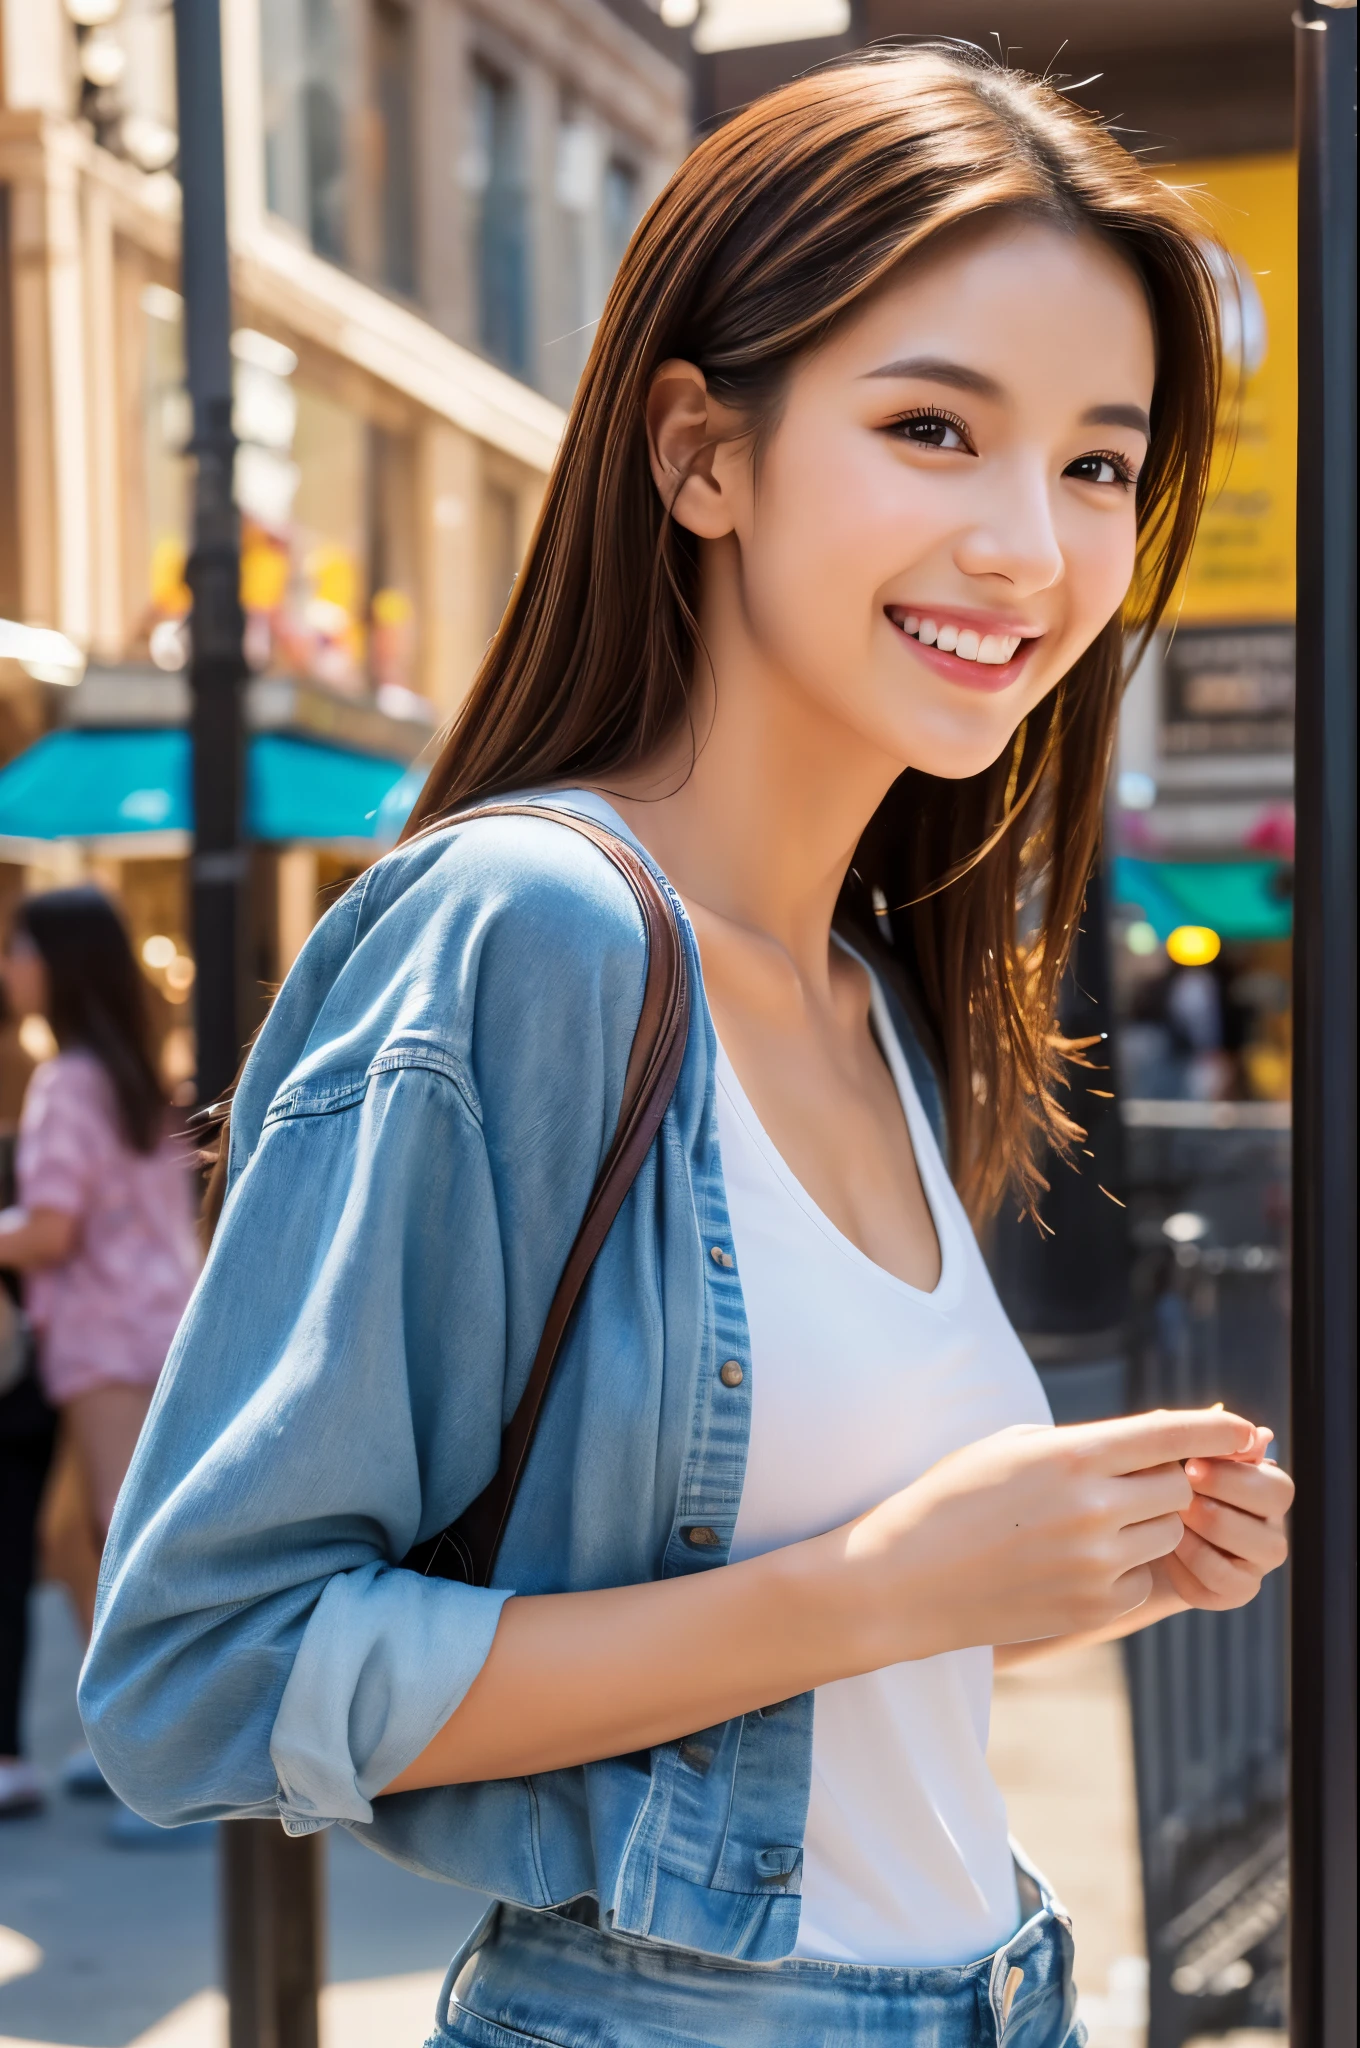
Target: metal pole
271 1884
1322 1976
217 664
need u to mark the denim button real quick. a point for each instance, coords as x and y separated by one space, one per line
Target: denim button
720 1257
703 1538
731 1374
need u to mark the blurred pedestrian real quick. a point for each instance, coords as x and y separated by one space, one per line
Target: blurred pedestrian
103 1230
27 1430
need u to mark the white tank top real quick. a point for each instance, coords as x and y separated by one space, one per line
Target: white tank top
859 1384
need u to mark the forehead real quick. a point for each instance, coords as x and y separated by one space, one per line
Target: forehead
1026 303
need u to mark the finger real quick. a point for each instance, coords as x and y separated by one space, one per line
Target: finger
1145 1542
1132 1589
1259 1544
1228 1579
1132 1443
1193 1591
1141 1496
1257 1489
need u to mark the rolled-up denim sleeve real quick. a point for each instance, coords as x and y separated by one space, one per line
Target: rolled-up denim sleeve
334 1394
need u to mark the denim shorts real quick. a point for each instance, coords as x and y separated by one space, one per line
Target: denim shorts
552 1980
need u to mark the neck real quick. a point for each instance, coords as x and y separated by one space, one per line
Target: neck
755 807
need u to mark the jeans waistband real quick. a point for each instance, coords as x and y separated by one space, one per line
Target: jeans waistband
553 1978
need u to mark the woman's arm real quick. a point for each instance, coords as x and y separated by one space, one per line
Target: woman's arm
37 1237
1030 1532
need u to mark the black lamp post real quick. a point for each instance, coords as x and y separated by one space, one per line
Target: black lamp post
217 664
1322 1977
271 1885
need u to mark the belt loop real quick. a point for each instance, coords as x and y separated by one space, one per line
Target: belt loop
462 1956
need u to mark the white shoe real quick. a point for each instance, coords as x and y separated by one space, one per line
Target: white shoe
21 1789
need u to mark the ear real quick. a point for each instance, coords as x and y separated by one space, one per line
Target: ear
689 440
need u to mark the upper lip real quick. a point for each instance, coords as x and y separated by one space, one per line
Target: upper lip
965 618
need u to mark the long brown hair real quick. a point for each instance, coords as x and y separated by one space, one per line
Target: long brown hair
773 229
97 1000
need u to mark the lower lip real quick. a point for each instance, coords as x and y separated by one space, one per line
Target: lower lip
989 677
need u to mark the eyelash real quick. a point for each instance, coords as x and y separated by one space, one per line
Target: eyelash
1124 475
932 412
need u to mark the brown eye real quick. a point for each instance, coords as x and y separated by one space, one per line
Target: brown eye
1101 469
930 429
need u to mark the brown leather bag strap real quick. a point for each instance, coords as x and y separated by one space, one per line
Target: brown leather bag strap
467 1548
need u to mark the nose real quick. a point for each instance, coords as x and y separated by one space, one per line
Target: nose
1014 535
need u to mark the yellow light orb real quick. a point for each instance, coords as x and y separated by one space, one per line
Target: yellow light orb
159 950
1194 945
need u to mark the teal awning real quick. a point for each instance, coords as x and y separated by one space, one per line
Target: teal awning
1241 900
87 784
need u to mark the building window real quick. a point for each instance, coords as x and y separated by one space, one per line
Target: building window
392 55
309 75
501 229
620 209
500 524
340 130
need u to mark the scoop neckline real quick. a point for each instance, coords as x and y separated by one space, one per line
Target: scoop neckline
943 1295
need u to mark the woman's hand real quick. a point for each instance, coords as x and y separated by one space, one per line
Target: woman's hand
1234 1529
1040 1532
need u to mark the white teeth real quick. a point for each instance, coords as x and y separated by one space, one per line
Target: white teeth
997 648
994 649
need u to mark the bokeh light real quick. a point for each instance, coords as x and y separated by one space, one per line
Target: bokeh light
1194 945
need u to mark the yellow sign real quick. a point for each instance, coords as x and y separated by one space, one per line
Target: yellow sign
1243 565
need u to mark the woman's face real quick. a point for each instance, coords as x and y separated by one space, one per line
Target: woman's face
943 517
24 976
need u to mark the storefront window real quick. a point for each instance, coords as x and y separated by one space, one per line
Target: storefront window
327 502
1203 870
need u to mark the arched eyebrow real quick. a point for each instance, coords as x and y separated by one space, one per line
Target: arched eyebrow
959 377
939 370
1119 416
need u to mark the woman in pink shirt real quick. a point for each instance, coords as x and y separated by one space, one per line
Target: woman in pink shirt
104 1227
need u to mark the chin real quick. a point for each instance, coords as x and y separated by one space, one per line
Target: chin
954 764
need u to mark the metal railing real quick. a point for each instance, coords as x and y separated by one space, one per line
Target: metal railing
1209 1218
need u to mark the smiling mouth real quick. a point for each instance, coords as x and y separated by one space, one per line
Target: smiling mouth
992 650
989 661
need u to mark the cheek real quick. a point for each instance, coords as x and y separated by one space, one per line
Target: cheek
833 524
1101 552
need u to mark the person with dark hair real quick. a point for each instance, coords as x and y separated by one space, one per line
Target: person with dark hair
596 1467
103 1229
27 1434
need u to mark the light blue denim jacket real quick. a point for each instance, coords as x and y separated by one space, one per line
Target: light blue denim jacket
413 1143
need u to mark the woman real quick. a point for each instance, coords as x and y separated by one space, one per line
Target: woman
103 1230
906 382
